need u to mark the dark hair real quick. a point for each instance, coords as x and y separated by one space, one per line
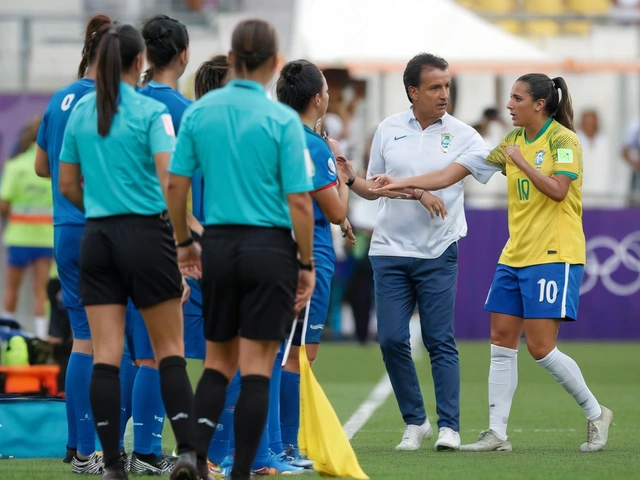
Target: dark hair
557 104
413 70
97 26
253 43
211 74
28 135
299 82
165 39
117 52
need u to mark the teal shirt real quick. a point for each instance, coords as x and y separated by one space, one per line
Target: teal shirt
252 153
119 172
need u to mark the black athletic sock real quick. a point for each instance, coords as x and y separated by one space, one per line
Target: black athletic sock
104 393
210 398
177 397
249 421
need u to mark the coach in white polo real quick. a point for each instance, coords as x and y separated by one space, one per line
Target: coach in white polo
414 257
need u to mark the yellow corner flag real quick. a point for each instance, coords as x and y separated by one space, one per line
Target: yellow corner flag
321 437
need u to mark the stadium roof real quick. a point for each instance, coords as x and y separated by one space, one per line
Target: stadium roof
383 35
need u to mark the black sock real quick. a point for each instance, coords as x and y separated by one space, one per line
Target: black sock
104 393
177 397
249 420
210 397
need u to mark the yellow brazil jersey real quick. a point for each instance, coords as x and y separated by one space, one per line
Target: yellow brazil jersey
542 230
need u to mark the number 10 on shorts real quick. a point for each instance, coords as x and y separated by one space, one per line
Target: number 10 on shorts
548 290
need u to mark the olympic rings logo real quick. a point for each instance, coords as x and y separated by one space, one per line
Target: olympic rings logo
622 254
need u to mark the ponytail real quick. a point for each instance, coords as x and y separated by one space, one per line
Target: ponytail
117 53
556 95
564 112
97 26
108 81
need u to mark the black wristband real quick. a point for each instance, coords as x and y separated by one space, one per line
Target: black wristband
350 181
305 266
186 243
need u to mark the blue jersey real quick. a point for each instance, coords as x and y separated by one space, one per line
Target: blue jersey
177 104
120 176
50 136
324 176
175 101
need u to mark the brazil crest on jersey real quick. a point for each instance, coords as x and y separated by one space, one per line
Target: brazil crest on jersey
542 230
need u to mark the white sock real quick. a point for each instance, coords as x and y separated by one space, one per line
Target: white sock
503 380
567 373
41 327
8 315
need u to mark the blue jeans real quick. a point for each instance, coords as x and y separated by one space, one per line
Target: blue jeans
400 283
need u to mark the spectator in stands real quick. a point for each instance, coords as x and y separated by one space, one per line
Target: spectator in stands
595 150
631 153
626 11
25 201
492 129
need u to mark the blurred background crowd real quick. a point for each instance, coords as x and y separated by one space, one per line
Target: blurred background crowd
362 47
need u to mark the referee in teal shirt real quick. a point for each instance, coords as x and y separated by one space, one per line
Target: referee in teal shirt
121 142
257 179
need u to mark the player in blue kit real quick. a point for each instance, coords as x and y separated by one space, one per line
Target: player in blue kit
69 224
122 141
167 51
303 87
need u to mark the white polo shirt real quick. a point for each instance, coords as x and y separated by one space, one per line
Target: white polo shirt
401 148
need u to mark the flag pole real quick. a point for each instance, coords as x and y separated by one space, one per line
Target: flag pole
287 348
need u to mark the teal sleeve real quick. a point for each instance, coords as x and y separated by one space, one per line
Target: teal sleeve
295 160
184 161
162 137
69 152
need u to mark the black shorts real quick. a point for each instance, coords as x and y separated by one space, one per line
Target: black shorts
129 256
249 279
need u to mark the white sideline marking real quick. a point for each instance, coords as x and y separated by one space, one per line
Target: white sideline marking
382 390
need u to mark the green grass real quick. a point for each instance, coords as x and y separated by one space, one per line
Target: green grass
546 427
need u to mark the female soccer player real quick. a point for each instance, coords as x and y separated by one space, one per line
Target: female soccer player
303 87
537 282
69 224
167 51
121 142
250 149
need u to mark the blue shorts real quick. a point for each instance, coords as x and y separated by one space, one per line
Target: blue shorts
21 257
319 308
549 290
66 249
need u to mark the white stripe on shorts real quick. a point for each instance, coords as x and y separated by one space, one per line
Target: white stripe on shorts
563 311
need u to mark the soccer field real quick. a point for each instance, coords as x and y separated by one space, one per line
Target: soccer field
546 426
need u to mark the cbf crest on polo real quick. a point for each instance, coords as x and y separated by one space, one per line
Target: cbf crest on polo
445 142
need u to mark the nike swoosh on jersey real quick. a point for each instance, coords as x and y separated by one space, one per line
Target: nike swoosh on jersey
398 138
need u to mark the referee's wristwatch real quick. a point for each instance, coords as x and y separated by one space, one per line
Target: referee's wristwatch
350 181
306 266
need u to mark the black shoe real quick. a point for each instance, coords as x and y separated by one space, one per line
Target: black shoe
115 472
71 452
185 468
